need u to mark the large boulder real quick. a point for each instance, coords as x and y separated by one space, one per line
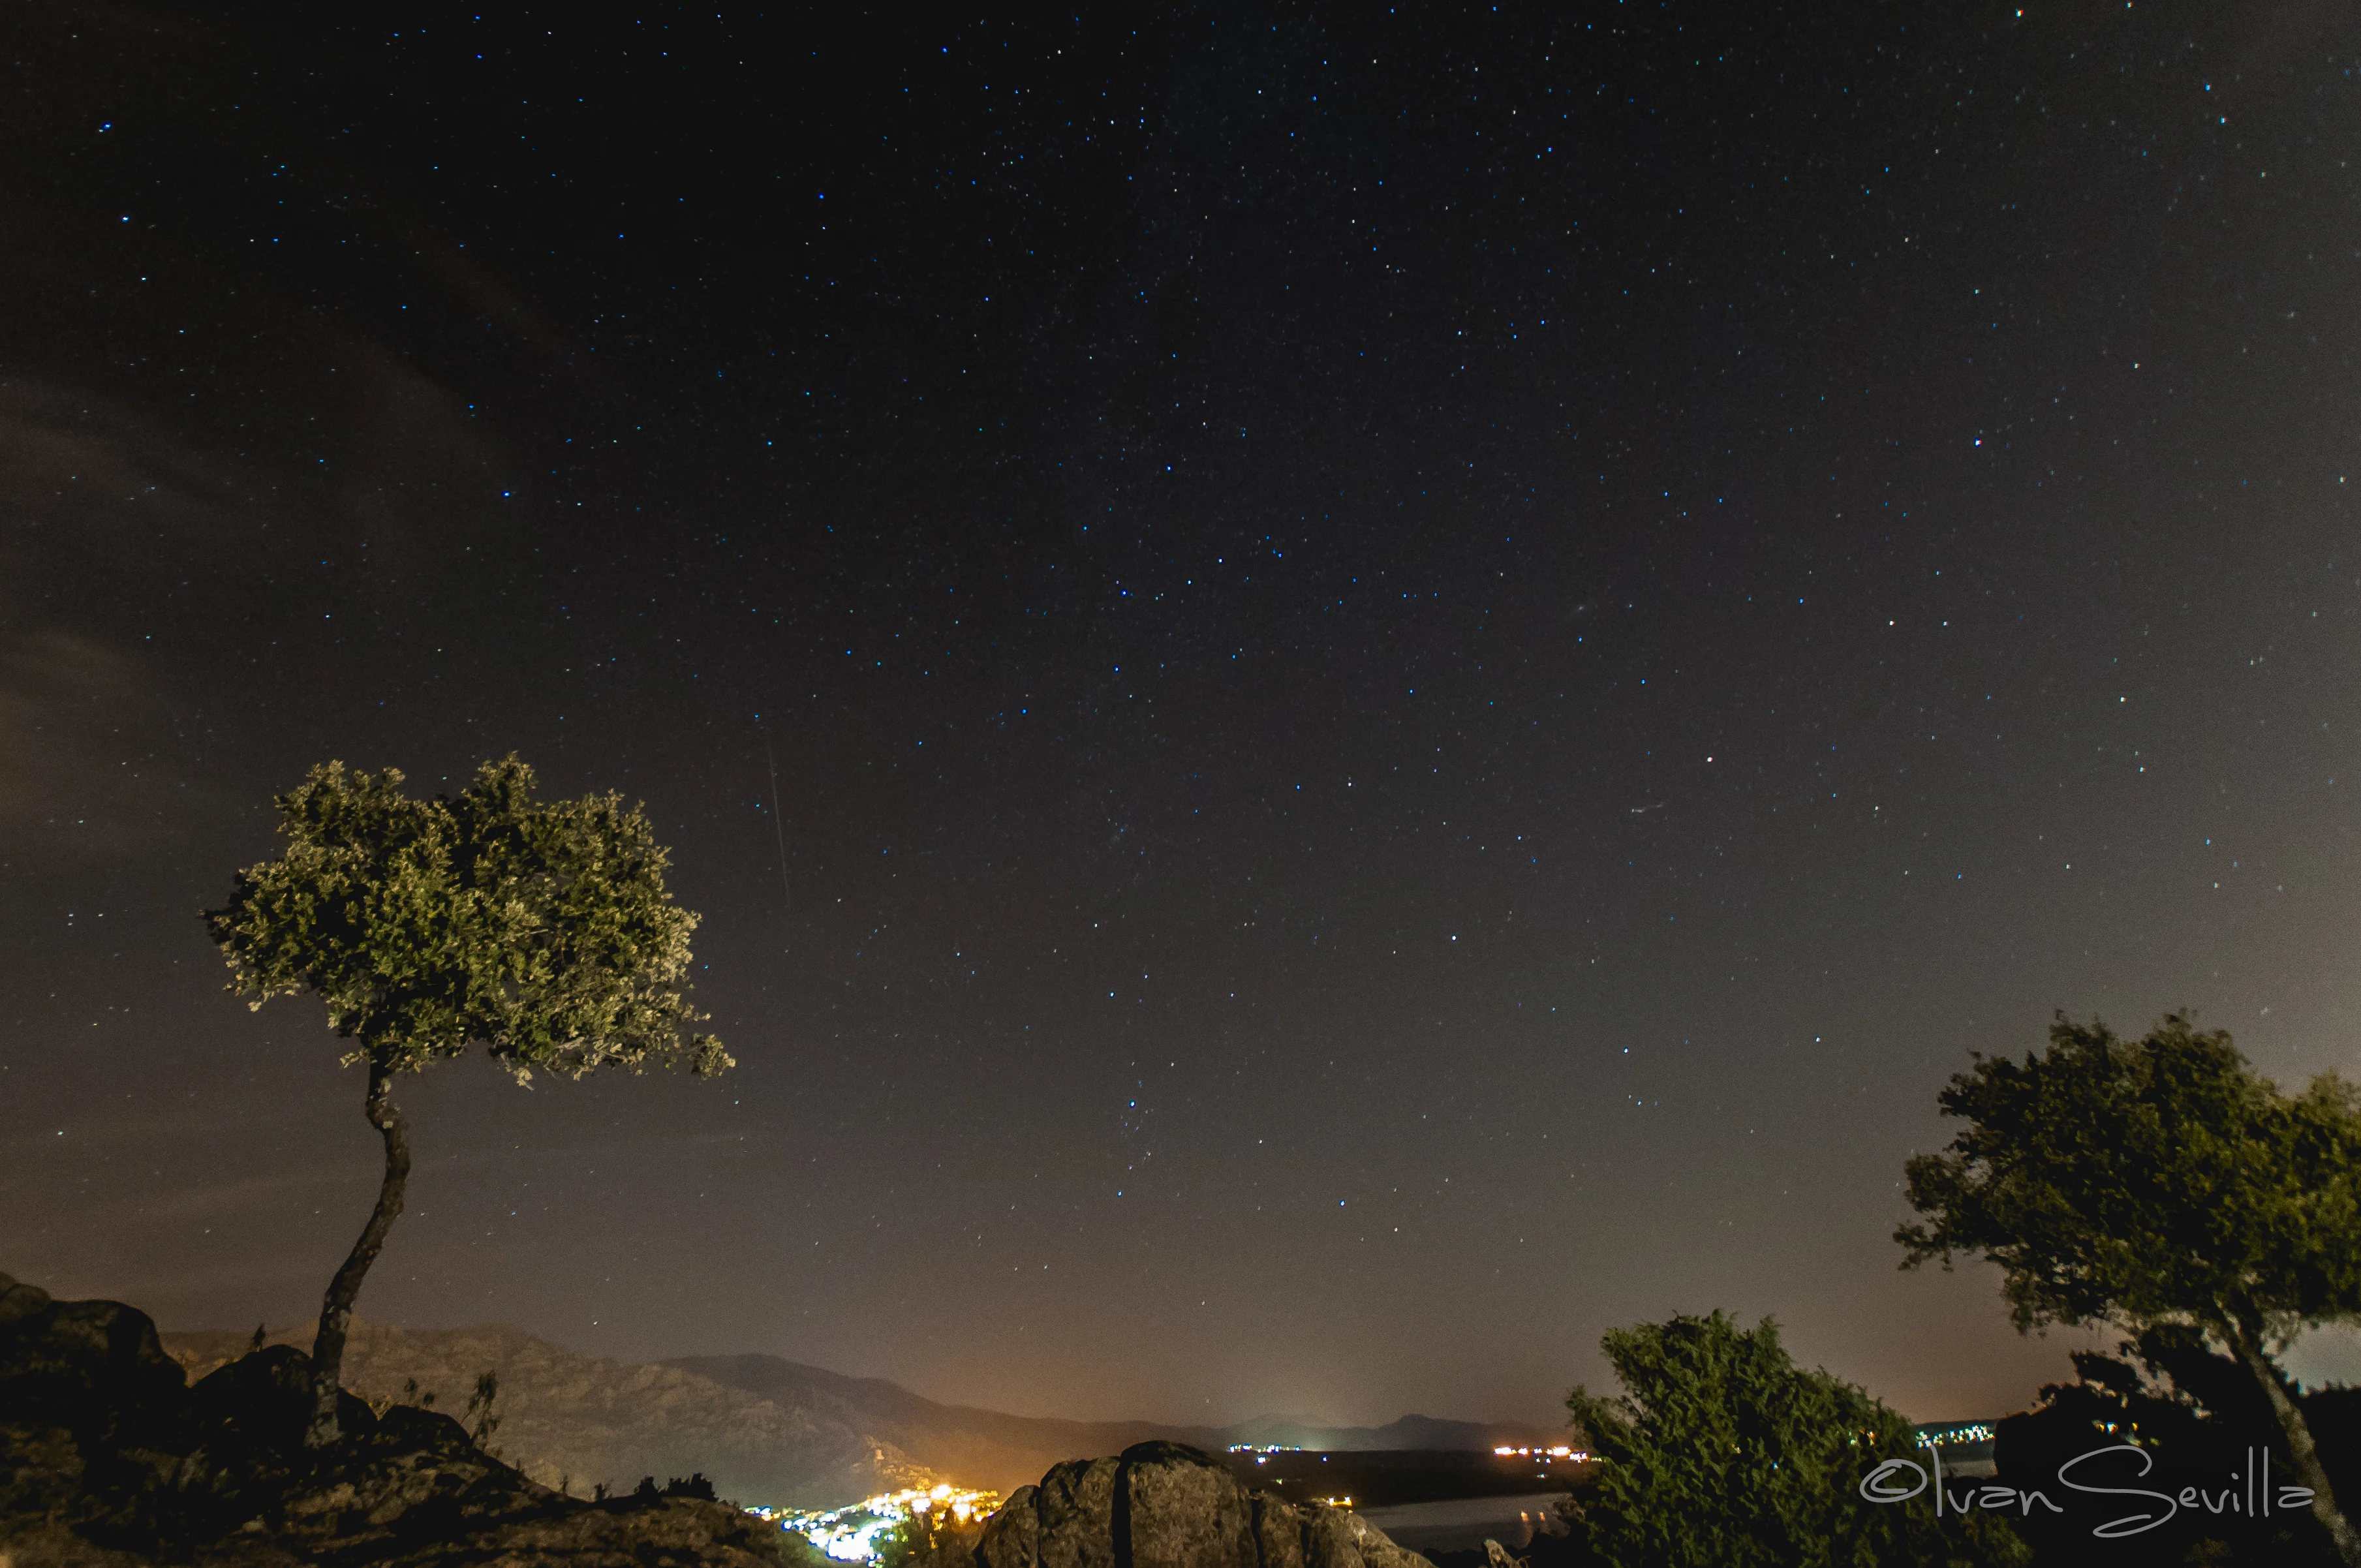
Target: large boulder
94 1368
1179 1509
93 1417
1075 1504
1163 1505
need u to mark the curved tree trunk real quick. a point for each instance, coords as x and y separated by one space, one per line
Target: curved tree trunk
2306 1458
337 1306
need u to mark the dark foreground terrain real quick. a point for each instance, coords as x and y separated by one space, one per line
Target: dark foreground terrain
109 1458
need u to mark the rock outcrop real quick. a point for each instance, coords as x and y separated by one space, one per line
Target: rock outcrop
1163 1505
109 1459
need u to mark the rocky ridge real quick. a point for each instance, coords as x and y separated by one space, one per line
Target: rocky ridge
109 1458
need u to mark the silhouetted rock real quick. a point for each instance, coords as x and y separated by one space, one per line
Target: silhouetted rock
96 1368
1164 1505
16 1299
109 1459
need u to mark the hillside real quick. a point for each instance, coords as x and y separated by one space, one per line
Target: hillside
580 1420
980 1448
764 1429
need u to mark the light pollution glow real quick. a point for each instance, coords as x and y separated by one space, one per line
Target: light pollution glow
851 1534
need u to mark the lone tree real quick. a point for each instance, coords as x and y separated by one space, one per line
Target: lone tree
2158 1184
1722 1452
541 930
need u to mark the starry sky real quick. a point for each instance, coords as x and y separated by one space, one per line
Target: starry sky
1349 693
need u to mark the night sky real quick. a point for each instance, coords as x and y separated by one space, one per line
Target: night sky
1426 671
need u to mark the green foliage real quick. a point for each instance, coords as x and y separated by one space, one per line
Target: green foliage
540 930
1722 1452
898 1546
2148 1183
913 1539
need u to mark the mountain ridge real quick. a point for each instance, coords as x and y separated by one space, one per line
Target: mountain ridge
763 1427
755 1371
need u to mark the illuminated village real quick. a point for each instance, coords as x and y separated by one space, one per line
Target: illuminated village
855 1534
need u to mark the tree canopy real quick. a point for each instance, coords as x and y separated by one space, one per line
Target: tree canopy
542 931
2156 1183
1722 1452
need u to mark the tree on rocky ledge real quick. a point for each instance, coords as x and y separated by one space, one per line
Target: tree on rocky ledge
2158 1184
540 930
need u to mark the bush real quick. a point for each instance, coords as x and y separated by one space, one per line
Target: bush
1722 1452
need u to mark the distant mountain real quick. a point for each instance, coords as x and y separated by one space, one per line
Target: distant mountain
987 1448
583 1420
1410 1432
764 1429
979 1447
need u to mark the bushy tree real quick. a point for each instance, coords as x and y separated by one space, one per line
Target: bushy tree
2160 1183
918 1538
1722 1452
539 930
